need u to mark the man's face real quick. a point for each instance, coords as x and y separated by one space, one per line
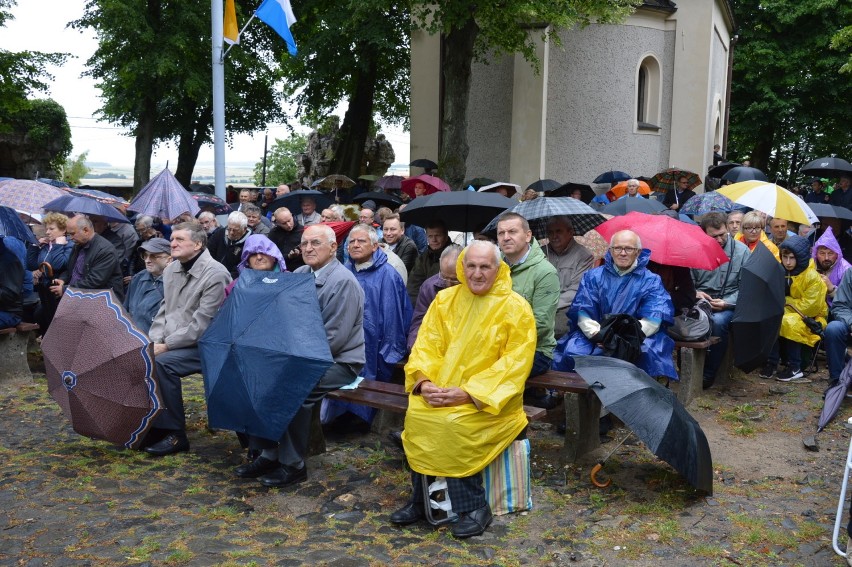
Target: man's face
788 259
778 228
559 236
183 248
844 183
261 261
734 223
156 263
81 236
447 271
480 270
284 219
632 189
436 238
208 224
576 194
624 249
826 257
268 195
682 184
253 219
317 251
235 231
282 190
816 186
327 215
361 247
308 206
145 233
366 216
419 189
720 234
392 231
512 238
99 224
245 197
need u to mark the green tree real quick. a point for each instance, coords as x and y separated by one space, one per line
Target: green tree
75 169
357 51
154 70
476 31
281 163
789 104
842 41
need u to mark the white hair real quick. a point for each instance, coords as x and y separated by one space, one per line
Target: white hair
238 218
636 236
371 232
206 215
486 244
325 230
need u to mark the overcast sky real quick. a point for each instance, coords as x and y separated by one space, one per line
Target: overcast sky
40 26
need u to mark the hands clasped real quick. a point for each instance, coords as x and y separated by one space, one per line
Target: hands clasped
443 397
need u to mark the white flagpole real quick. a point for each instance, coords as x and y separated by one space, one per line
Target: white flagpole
217 39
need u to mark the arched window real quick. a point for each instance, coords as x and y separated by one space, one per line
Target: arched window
648 92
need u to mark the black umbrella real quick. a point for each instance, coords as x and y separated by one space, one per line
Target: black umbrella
390 182
718 171
653 413
292 200
629 205
381 199
827 167
212 203
744 173
12 225
465 211
426 164
565 190
759 309
544 185
478 182
612 176
824 210
834 396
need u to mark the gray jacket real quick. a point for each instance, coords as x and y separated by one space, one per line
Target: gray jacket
190 300
723 282
341 301
570 267
841 306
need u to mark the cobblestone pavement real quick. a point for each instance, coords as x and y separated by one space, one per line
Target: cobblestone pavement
67 500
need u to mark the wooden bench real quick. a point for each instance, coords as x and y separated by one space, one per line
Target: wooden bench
13 352
693 355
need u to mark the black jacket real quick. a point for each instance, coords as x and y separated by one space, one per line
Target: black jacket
11 282
287 242
101 268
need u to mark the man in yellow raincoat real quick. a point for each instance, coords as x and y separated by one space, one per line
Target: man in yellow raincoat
805 297
466 376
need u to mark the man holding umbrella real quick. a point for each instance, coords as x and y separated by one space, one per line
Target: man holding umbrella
681 194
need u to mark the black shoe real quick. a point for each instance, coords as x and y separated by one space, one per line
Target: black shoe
408 514
174 442
284 476
473 523
259 467
768 370
707 383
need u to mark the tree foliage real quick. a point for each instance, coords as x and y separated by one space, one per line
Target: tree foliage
842 41
153 66
281 163
789 103
75 169
481 30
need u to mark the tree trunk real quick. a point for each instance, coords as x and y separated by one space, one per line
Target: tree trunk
457 55
144 146
352 137
763 147
189 144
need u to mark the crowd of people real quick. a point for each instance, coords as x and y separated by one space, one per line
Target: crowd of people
473 319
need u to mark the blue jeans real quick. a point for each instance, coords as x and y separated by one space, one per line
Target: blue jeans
715 354
541 364
836 337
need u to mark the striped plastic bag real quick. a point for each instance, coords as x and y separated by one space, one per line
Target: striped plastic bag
508 487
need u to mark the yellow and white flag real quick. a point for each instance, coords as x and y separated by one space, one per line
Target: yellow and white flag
231 30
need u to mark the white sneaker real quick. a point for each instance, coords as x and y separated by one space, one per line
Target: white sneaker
788 375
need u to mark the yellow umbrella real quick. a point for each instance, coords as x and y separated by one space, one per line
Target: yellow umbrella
771 199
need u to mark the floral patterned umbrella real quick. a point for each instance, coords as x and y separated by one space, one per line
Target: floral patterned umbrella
28 195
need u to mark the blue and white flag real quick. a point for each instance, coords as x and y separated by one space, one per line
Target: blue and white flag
278 15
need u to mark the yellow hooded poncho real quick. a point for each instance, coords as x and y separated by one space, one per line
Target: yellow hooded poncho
485 345
807 294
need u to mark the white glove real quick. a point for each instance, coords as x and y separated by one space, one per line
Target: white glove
589 326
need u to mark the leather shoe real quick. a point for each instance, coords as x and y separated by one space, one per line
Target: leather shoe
174 442
408 514
284 476
258 467
473 523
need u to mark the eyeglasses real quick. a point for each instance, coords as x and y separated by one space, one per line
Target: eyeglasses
751 228
312 243
623 249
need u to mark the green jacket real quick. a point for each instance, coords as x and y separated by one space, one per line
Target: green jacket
537 281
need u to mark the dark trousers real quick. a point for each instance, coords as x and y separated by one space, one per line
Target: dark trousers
541 364
172 366
466 493
294 444
791 348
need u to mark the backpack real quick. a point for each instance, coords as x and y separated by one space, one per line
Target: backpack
694 324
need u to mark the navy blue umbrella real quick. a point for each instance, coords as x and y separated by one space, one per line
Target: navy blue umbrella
12 225
293 200
744 173
612 176
86 206
255 379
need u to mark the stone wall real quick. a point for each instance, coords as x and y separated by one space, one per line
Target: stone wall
316 163
21 159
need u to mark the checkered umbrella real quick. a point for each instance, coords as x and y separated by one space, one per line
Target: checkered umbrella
164 197
666 180
27 195
538 211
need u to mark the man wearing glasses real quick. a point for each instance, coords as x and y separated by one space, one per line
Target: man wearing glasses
623 285
681 194
145 293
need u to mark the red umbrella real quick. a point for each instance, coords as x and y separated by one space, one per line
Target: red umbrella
672 242
433 184
341 230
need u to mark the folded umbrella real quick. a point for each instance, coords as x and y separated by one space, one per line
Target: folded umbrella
381 199
100 368
743 173
464 211
653 413
827 167
292 200
85 205
709 202
612 176
540 210
771 199
211 203
28 195
759 310
164 197
834 396
433 184
624 206
255 381
672 242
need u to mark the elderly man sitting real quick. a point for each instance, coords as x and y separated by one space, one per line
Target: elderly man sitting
466 378
623 285
145 292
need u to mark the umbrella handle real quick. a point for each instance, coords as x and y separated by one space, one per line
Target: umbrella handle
593 476
47 269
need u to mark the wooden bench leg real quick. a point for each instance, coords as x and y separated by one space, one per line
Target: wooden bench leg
582 433
13 358
691 374
726 369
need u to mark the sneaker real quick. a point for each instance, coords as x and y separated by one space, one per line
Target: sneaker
789 375
768 370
